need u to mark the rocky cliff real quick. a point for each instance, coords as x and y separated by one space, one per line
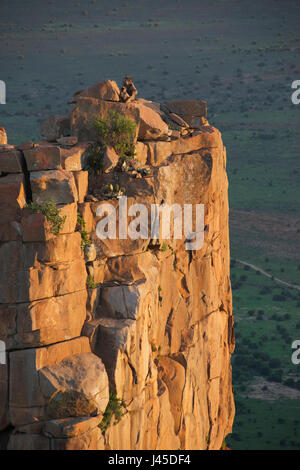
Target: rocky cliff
116 343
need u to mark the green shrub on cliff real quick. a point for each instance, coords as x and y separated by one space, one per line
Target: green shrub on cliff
94 161
81 227
118 131
51 212
115 407
115 130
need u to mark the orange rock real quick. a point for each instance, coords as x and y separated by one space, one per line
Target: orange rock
11 161
187 109
73 159
35 227
158 152
12 200
151 123
54 127
58 185
27 402
84 112
76 386
44 281
110 159
91 440
44 321
44 157
105 90
84 210
81 181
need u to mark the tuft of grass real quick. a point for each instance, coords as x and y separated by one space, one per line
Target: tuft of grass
51 212
115 408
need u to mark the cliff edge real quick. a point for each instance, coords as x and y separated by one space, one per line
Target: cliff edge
123 340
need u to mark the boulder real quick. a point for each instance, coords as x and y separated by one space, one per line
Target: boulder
27 403
106 90
77 386
73 159
42 157
151 124
86 109
46 156
58 185
126 301
54 127
110 159
187 110
129 269
11 160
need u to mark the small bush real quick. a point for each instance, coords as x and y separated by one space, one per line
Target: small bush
118 131
115 407
94 161
51 212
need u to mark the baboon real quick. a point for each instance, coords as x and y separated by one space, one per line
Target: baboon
128 90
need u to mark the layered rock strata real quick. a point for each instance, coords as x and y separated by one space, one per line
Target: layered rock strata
155 326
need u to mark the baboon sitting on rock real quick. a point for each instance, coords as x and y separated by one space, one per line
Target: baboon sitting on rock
128 90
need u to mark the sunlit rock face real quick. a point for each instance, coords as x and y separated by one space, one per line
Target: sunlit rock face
141 325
